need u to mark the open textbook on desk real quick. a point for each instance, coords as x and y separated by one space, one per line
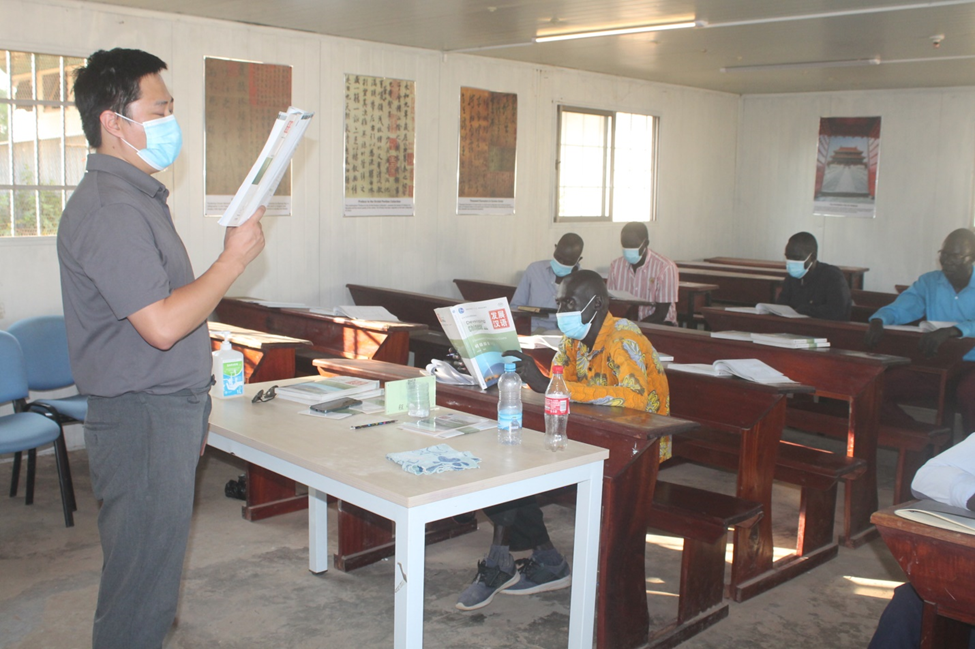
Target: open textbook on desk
763 308
266 173
750 369
946 517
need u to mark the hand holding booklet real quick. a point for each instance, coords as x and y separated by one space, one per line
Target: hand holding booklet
268 170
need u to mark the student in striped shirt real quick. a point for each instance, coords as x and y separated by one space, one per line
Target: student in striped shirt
646 274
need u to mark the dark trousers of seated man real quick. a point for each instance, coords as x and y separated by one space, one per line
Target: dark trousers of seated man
900 624
523 520
902 385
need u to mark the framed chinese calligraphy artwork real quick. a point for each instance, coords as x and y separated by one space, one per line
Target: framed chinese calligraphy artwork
488 138
380 139
242 101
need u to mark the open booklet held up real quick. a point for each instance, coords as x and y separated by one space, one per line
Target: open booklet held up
268 170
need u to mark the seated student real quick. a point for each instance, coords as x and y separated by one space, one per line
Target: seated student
541 279
813 288
948 478
646 274
946 295
607 361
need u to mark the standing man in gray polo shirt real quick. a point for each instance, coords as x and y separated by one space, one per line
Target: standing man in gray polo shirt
138 341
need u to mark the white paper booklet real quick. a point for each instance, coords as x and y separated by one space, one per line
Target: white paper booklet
791 341
268 170
327 389
750 369
480 332
923 326
940 515
452 424
732 335
763 308
374 313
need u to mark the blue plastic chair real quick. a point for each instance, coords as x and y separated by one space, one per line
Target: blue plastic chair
26 431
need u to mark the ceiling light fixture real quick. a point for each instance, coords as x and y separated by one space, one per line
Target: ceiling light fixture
620 31
849 63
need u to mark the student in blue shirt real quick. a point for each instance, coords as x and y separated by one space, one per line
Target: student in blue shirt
541 279
946 295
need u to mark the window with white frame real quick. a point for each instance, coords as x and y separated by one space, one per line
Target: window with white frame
606 166
42 146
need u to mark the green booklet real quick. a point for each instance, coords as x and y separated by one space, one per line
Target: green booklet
481 332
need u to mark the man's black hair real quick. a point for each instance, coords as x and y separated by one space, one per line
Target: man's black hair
802 245
110 81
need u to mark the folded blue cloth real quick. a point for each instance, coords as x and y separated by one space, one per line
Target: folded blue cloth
435 459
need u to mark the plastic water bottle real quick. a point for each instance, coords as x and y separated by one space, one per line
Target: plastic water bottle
556 411
509 406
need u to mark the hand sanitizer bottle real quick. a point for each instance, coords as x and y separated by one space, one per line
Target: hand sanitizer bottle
228 370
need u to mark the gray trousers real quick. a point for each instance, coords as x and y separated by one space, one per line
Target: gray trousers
143 452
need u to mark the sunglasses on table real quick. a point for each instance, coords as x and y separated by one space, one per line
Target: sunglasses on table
265 395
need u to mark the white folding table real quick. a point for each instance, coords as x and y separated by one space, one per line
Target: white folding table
332 459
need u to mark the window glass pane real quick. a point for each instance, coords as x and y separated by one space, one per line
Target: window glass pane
23 81
51 208
49 157
24 132
633 167
4 145
4 76
583 143
581 201
5 228
25 213
48 77
71 64
76 156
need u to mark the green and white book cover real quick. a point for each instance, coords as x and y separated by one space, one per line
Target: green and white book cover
481 332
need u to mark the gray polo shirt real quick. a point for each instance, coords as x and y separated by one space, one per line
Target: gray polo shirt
119 252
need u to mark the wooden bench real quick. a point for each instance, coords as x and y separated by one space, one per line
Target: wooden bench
702 518
816 472
742 288
410 307
915 442
854 274
866 303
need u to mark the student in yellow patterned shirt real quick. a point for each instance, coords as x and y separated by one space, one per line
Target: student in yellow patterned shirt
606 361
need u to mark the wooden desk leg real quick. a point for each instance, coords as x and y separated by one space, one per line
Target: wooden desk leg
753 548
395 348
622 619
860 494
270 494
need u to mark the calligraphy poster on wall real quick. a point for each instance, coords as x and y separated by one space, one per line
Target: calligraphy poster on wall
242 102
380 128
846 167
488 138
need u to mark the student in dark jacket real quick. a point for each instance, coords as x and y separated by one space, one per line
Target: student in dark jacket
813 288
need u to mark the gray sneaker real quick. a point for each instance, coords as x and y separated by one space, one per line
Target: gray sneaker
539 577
489 581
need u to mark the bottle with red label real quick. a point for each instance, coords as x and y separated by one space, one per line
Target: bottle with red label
556 411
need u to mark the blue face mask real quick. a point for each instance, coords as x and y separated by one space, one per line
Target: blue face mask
570 322
632 255
797 268
560 270
163 141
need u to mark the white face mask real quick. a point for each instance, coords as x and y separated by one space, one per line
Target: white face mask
164 139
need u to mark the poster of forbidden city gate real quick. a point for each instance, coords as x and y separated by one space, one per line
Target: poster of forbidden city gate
846 167
380 136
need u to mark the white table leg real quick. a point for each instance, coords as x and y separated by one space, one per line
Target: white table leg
409 573
317 531
585 558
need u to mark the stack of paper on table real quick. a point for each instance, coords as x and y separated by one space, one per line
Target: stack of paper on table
265 175
940 515
374 313
767 308
750 369
732 335
791 341
328 389
923 326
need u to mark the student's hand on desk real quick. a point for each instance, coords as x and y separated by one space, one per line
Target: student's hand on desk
874 333
931 341
528 371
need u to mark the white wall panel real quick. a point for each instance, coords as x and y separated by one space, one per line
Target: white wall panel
312 255
924 186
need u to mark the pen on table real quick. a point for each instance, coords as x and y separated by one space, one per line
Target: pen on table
375 423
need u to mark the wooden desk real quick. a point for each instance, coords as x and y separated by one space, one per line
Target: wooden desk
836 374
941 566
736 288
331 335
691 298
322 454
473 290
267 357
629 475
731 268
942 367
854 274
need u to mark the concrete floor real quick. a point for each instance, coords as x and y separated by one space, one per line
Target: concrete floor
247 584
